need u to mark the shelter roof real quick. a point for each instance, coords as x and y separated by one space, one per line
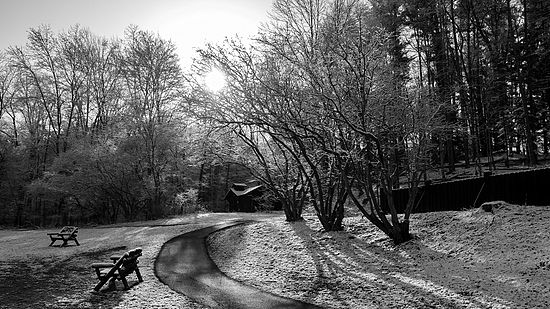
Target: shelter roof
243 192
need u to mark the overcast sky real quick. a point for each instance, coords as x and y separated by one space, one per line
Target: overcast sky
187 23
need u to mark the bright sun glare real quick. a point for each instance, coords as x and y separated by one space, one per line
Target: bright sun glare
215 80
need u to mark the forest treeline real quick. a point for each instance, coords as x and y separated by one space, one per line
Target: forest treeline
332 102
95 130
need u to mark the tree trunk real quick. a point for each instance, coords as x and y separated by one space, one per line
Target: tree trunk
200 189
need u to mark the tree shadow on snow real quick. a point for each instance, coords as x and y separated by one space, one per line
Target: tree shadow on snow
410 275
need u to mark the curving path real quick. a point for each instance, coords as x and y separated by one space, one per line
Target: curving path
184 265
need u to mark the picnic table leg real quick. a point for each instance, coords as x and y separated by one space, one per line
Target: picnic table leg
76 241
100 284
51 244
125 282
138 274
112 283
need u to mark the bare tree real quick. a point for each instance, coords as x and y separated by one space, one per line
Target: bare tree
384 128
39 61
266 96
7 98
317 81
152 78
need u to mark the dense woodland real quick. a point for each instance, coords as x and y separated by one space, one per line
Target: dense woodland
332 103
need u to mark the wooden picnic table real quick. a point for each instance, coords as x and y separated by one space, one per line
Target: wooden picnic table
120 267
67 233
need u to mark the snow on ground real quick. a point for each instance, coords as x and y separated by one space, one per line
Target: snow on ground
33 275
459 259
467 259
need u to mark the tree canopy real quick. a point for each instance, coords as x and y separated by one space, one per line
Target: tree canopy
333 103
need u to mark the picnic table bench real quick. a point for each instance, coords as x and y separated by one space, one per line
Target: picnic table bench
67 233
120 267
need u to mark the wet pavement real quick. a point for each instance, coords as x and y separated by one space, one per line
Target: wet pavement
184 265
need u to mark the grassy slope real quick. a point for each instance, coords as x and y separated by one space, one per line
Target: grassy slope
33 275
468 259
465 259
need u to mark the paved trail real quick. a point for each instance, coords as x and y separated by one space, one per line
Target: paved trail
184 265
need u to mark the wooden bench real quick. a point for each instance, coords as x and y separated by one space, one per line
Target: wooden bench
118 269
67 233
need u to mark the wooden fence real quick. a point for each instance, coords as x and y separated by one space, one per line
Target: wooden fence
524 188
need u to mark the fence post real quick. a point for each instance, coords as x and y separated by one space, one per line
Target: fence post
427 184
486 176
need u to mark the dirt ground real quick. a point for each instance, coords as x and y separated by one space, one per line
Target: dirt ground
459 259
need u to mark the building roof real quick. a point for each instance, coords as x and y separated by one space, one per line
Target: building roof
242 192
245 192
